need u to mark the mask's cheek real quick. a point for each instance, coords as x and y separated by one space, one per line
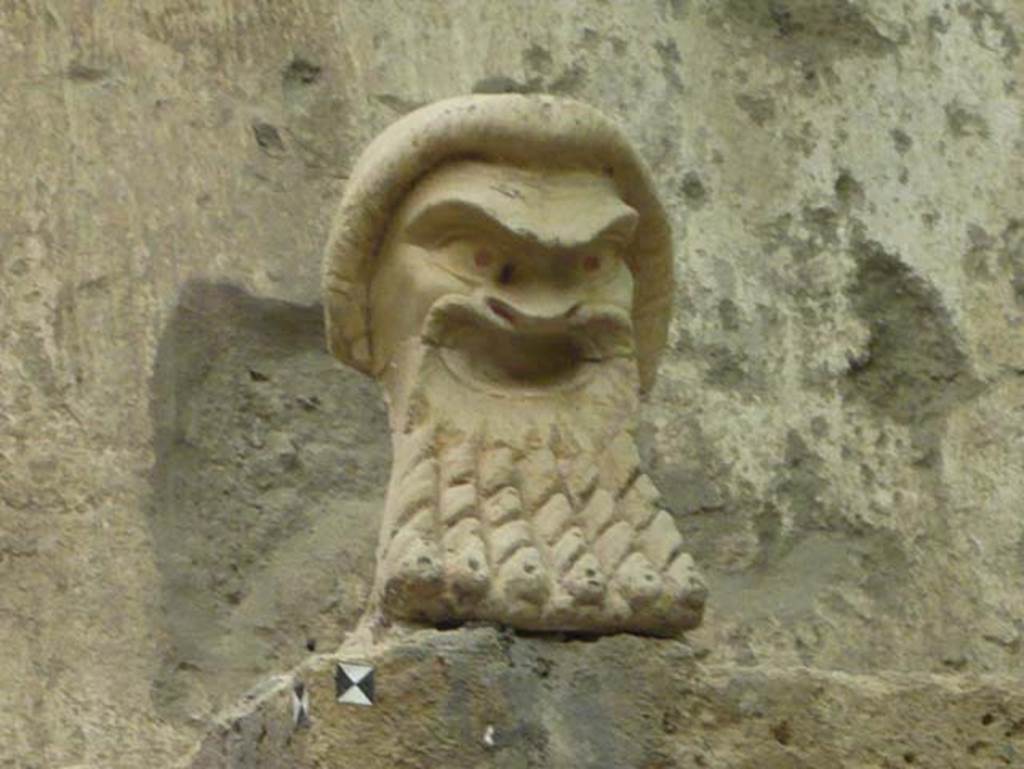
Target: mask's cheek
402 292
615 290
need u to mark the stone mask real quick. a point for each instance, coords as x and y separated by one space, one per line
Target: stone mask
498 308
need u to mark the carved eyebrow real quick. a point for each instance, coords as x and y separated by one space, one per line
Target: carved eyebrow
455 215
446 217
618 231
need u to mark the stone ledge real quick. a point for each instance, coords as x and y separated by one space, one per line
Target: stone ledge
480 698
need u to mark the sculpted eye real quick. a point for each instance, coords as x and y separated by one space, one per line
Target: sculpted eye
598 263
464 257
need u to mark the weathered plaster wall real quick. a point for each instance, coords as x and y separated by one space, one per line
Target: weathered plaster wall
188 484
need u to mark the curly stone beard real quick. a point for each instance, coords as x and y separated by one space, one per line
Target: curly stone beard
516 494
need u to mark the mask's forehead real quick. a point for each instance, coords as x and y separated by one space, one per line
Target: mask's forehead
559 208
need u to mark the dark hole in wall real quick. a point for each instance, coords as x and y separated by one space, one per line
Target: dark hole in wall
915 369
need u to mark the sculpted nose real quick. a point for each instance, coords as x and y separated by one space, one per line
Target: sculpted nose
537 313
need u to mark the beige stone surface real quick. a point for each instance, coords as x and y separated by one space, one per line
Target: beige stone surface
188 483
478 698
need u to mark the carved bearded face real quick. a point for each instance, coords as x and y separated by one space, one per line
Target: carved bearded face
517 275
501 316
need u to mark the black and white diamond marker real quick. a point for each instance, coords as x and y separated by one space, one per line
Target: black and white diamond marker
354 683
300 705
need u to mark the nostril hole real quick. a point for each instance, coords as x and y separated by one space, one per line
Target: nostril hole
501 309
505 276
572 310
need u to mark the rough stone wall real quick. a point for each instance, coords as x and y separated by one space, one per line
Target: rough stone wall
188 485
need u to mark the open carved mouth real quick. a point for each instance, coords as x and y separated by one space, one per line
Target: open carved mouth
488 346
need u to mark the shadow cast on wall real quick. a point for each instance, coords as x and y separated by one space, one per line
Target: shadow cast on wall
271 461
